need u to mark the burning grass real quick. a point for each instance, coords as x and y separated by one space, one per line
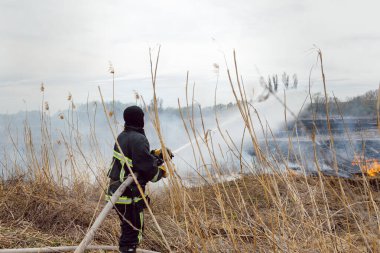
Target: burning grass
369 166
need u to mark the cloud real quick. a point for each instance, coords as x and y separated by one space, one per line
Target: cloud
68 44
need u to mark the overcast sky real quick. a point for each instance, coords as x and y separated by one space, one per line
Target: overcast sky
68 45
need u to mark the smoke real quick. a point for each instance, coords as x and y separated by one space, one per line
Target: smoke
213 133
306 144
228 141
216 137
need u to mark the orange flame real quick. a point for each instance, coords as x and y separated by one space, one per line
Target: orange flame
369 166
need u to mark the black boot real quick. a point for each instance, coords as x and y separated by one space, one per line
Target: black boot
128 249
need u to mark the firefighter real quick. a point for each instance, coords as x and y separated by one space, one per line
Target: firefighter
149 167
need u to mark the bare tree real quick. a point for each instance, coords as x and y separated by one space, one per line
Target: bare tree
270 87
285 80
295 81
160 103
275 82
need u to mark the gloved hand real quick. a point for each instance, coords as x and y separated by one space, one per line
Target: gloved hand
159 154
159 163
165 172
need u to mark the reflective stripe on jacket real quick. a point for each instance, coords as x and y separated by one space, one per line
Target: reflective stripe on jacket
136 154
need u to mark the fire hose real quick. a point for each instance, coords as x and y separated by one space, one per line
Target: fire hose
67 249
91 232
103 214
85 243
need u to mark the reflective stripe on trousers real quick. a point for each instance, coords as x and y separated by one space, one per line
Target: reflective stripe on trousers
141 227
132 224
124 200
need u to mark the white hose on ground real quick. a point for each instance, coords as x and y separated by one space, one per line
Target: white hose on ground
103 214
84 245
108 207
67 249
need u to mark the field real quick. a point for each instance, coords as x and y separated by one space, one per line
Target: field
268 213
267 207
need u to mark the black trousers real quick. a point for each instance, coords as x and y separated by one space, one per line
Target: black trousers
131 223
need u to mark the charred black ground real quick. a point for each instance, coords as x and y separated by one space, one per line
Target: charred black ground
342 138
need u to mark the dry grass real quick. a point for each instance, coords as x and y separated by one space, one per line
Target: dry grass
251 214
37 212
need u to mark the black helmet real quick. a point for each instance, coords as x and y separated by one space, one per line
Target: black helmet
134 116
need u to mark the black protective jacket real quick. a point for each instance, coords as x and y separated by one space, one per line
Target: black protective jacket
135 147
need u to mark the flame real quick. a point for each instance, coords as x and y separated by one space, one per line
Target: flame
369 166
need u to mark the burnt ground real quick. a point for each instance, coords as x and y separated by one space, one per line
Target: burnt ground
351 136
